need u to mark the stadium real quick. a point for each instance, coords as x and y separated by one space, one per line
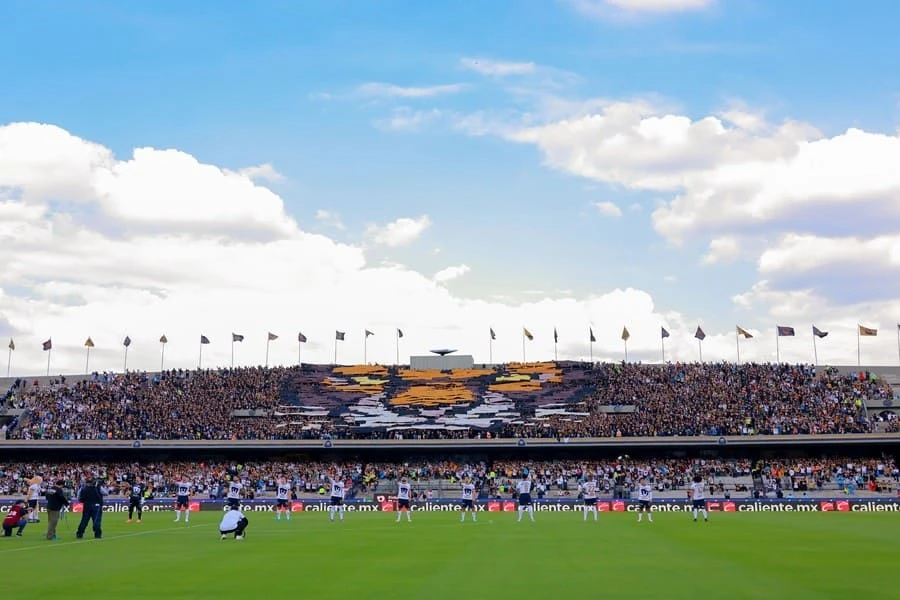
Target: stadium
766 440
497 300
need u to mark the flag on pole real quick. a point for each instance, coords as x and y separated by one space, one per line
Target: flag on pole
127 341
625 334
272 336
527 334
784 331
741 331
399 333
48 345
12 344
163 339
818 332
89 343
555 336
339 335
867 331
301 338
235 337
493 335
591 336
368 333
699 334
204 339
663 333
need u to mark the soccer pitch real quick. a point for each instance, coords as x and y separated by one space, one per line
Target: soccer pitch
369 555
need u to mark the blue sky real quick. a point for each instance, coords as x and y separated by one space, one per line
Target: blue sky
483 122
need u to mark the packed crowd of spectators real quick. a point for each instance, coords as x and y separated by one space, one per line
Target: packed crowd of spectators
615 400
434 477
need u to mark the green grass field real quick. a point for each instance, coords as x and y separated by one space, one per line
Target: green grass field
735 555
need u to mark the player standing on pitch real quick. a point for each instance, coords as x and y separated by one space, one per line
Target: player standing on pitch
283 499
525 503
337 499
645 497
183 499
698 497
468 499
136 499
589 494
404 491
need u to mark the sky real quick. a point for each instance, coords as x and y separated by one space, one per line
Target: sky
447 168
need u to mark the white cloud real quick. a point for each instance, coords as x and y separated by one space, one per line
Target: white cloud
389 90
608 209
609 8
400 232
264 171
722 250
406 119
329 219
498 68
445 275
800 253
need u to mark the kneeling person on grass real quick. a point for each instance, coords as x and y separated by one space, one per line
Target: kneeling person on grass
233 521
15 518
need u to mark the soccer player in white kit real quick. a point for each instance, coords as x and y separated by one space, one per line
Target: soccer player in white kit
468 500
233 497
589 494
645 497
34 494
183 500
337 499
282 499
404 491
698 497
525 503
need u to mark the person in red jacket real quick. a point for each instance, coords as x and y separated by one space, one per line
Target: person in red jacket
15 518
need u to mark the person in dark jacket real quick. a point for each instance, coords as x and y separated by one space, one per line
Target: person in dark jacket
91 498
56 502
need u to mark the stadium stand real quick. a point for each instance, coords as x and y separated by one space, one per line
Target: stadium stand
528 400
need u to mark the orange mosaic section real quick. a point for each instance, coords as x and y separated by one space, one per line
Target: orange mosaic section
442 394
532 385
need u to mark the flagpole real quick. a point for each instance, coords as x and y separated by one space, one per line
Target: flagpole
299 351
8 361
815 350
335 349
365 349
626 349
858 361
162 357
232 351
700 344
48 360
87 360
523 346
490 349
397 347
555 344
268 341
591 344
777 348
663 341
737 341
200 365
125 365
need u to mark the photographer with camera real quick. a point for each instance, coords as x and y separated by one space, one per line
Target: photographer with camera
56 502
91 498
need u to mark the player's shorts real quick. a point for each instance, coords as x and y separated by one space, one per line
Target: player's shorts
233 502
335 501
403 504
135 500
699 503
181 503
524 499
590 502
643 505
279 503
32 504
468 505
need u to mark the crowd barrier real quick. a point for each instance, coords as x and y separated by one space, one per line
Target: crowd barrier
388 504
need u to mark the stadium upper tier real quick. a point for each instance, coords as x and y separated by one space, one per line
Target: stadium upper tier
545 400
